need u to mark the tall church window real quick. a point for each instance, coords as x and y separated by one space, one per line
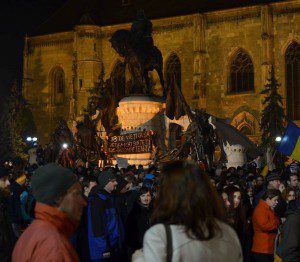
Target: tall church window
292 71
58 78
58 83
241 76
173 70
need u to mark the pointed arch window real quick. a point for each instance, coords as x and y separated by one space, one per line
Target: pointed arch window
241 76
58 83
292 76
173 69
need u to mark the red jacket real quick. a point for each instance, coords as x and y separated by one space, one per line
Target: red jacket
47 238
265 224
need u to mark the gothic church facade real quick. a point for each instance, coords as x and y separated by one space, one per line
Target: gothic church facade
221 57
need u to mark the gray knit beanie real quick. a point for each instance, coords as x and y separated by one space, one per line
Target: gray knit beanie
50 182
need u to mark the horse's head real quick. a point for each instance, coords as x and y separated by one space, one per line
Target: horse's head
121 42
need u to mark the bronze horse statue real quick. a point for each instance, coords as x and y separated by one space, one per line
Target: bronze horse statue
140 54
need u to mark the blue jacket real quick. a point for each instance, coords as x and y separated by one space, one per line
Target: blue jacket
105 230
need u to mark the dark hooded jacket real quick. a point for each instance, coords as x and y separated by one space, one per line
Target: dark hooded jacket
7 237
138 223
289 247
105 230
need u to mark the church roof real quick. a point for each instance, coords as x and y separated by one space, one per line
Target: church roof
110 12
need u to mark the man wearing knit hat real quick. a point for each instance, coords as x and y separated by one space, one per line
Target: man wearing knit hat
58 212
273 182
7 237
105 234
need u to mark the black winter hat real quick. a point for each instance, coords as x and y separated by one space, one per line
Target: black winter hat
50 182
3 172
104 177
272 176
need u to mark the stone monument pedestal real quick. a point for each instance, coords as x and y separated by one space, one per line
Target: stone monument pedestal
137 114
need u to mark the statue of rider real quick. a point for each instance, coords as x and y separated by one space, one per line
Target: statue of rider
141 30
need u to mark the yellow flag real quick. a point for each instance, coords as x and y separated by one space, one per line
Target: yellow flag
265 171
296 152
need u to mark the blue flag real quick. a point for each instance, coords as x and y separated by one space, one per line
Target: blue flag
289 140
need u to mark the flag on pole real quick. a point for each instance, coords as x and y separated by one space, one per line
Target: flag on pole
290 143
265 171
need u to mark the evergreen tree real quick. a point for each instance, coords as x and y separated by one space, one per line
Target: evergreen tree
273 116
97 95
17 123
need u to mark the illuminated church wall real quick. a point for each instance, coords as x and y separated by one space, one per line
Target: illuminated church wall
212 48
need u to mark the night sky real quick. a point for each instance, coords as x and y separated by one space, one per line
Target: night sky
18 17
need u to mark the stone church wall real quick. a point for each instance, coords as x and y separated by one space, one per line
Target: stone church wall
204 43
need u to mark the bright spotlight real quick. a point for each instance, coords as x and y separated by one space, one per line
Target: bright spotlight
278 139
34 139
29 139
65 146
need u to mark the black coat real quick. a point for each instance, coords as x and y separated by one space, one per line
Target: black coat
7 237
289 247
138 222
125 202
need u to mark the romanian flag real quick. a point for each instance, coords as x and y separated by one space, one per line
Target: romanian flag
290 143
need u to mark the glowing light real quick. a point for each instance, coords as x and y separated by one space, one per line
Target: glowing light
278 139
29 139
34 139
65 146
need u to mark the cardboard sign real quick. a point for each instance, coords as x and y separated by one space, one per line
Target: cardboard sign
134 143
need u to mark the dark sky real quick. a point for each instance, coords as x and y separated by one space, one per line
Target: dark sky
18 17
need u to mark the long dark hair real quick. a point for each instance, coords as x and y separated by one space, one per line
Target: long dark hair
186 197
236 217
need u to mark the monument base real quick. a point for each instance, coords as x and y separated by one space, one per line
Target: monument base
137 114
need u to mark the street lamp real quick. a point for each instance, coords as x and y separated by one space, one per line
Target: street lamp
65 146
278 138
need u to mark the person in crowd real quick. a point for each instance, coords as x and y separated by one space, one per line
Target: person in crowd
265 225
88 184
58 212
288 194
138 221
17 186
80 238
259 185
186 226
105 229
27 203
273 182
40 155
289 246
149 181
7 236
294 183
235 213
122 199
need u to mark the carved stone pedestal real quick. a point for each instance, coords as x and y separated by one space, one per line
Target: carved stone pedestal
136 114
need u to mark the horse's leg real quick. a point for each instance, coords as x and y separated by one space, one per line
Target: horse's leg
147 81
161 78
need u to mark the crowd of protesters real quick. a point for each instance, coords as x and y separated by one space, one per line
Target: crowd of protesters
175 212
